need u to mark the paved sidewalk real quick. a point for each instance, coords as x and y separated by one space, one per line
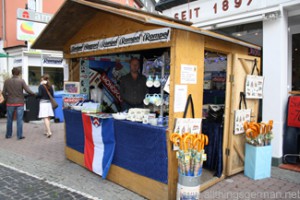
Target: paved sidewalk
19 185
44 158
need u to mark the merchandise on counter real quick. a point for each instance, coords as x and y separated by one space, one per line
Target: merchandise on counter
156 82
137 114
154 99
191 152
90 107
119 115
259 134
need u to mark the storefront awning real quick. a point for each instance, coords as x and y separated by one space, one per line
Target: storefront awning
75 13
3 55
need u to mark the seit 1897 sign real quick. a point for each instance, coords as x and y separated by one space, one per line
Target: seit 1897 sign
203 10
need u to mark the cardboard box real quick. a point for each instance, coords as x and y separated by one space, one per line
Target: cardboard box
258 161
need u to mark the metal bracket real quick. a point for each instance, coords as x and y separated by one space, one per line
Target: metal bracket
231 78
227 152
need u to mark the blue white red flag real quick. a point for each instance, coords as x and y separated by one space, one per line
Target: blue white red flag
99 144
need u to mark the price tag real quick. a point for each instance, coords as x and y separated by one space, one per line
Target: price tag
204 157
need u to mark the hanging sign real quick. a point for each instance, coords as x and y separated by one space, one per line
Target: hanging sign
130 39
27 30
89 46
145 37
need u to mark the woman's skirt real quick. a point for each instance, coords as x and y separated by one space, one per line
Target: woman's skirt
45 109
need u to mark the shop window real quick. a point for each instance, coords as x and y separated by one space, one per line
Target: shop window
251 33
296 62
34 76
56 76
106 71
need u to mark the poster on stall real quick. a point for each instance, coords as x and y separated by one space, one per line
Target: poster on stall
254 87
188 74
84 77
70 100
180 98
104 75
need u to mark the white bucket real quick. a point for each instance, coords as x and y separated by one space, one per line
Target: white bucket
188 187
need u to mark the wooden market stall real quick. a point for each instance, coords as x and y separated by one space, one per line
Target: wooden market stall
80 21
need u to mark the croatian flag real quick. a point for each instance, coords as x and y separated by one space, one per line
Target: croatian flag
99 144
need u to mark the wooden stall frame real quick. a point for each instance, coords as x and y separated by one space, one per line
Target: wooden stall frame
187 46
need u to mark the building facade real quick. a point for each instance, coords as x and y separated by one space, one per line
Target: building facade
21 22
272 24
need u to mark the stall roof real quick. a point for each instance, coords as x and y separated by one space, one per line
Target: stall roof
75 13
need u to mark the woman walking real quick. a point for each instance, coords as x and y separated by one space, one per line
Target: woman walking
46 111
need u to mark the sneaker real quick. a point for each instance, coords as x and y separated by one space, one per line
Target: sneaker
7 137
20 138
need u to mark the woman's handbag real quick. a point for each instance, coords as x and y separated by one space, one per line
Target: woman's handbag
52 100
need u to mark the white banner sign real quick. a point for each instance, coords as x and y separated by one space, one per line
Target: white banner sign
53 61
145 37
204 10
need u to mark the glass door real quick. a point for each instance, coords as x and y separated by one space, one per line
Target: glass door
294 60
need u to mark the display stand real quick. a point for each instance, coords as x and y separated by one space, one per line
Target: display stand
258 161
75 30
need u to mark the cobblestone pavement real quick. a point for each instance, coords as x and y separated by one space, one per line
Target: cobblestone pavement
44 159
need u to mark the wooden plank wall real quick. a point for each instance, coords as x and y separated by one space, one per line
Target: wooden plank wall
230 50
187 48
112 26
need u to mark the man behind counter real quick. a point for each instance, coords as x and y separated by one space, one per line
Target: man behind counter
133 87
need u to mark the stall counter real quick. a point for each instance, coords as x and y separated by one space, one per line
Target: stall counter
139 148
